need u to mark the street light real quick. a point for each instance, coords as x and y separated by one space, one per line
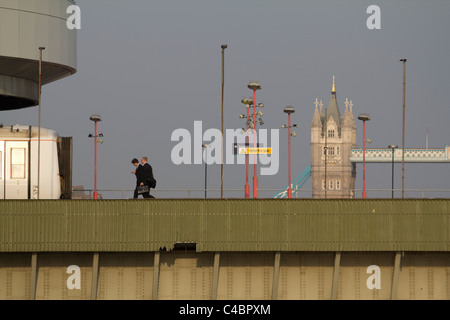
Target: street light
247 102
39 125
393 147
364 118
224 46
289 110
96 118
254 85
403 130
206 164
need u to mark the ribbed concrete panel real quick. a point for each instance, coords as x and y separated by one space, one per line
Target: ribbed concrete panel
355 272
245 276
224 225
53 276
185 276
241 276
306 276
425 276
15 271
125 276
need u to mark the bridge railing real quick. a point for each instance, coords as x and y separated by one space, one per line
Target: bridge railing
262 193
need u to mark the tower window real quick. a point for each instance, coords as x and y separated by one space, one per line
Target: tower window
337 150
338 184
331 151
330 133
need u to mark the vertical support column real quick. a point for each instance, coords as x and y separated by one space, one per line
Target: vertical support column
337 264
95 272
215 283
156 265
398 257
276 275
34 275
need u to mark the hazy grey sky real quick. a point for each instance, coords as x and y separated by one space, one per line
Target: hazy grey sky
150 67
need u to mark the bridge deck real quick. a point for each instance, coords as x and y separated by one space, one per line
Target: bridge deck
411 155
225 225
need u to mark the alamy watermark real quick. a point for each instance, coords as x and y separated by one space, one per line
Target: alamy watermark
374 21
189 150
74 20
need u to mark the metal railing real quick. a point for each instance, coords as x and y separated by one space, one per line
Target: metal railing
263 193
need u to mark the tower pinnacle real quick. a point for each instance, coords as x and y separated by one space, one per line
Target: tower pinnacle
333 90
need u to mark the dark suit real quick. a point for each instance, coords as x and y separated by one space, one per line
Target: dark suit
144 173
139 174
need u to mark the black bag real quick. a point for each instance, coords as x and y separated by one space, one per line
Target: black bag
143 189
152 182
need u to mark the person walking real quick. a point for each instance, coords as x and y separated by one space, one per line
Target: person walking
147 177
138 172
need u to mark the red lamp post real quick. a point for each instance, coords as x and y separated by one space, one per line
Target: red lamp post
364 118
254 85
96 118
247 102
289 110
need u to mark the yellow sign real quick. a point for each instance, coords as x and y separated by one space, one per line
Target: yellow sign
255 150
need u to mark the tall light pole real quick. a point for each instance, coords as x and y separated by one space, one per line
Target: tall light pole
403 130
247 103
393 147
326 149
224 46
364 118
39 125
289 110
206 166
96 118
254 85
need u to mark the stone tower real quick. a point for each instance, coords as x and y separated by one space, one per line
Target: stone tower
332 138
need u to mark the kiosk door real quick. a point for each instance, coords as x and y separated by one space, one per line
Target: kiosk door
16 170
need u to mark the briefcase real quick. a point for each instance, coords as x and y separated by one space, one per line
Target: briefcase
143 189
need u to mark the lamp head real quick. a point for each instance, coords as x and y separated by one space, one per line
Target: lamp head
96 118
254 85
247 101
364 117
392 146
289 109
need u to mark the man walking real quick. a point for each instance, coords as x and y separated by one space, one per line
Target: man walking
138 172
147 176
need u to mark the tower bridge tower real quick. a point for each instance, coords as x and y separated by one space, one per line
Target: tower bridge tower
332 138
